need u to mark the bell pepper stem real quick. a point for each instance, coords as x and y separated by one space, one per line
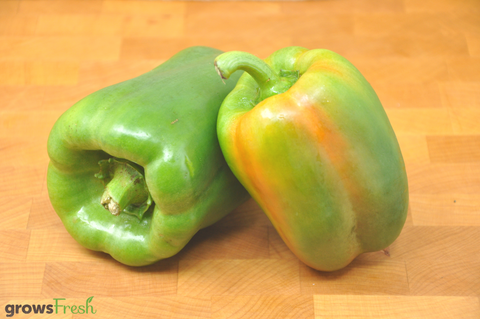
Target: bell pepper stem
229 62
269 82
125 188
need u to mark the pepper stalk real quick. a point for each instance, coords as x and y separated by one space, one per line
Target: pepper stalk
270 83
125 188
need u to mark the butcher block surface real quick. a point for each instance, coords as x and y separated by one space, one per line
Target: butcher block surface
421 57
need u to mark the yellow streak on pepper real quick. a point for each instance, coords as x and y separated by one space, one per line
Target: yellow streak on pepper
251 166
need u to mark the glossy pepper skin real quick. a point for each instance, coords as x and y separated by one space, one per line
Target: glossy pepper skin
161 169
307 136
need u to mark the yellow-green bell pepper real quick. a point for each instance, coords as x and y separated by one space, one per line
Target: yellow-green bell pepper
307 136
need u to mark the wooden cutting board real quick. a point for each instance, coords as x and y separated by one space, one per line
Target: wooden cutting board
421 57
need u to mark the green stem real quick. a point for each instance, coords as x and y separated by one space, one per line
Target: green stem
269 82
125 188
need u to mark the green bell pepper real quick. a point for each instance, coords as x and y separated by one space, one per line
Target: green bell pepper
307 136
136 169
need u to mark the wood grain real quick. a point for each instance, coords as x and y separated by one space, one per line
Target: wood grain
342 307
414 148
49 6
15 244
421 57
454 149
464 120
446 278
20 98
420 120
456 94
296 306
42 215
473 42
381 276
9 6
15 212
437 244
41 72
62 47
21 280
446 210
74 279
57 245
238 277
439 178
